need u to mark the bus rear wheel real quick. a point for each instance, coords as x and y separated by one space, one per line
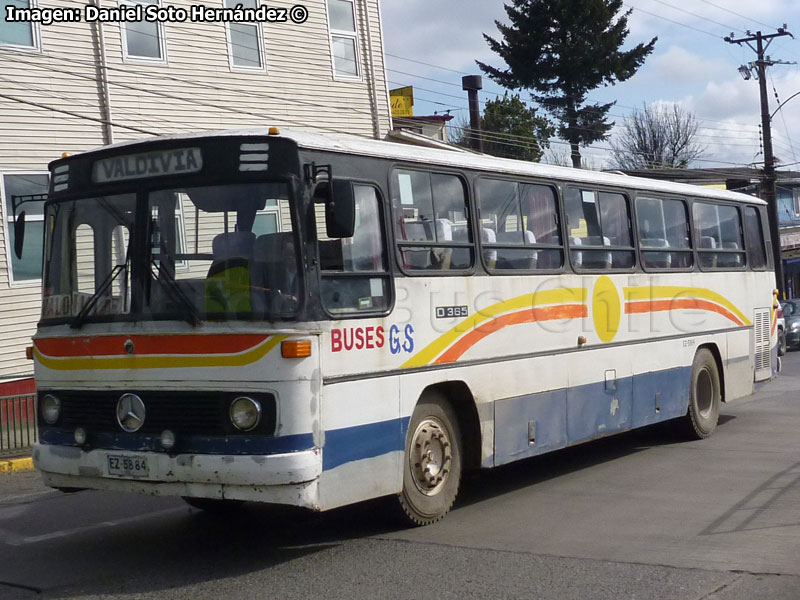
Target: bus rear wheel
704 397
432 463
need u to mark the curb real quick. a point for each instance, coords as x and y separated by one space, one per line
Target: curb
15 465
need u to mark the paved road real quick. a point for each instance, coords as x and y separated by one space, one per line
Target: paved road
636 516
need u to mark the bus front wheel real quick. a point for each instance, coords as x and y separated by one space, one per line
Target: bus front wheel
704 397
432 464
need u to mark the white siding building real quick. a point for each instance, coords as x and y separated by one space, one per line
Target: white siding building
69 87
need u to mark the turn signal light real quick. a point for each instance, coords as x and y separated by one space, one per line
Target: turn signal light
296 348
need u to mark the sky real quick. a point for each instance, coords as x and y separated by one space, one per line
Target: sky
430 44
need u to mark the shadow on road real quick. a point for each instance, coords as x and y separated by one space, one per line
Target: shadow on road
170 545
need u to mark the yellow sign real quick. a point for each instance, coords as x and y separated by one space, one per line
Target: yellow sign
402 101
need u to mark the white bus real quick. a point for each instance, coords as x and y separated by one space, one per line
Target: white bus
316 320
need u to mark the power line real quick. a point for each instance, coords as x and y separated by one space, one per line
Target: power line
72 113
194 101
256 36
699 16
671 21
218 88
737 14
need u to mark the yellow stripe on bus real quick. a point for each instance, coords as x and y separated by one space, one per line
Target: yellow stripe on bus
673 291
159 362
558 296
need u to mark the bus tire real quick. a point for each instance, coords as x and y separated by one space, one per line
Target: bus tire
213 505
433 461
704 397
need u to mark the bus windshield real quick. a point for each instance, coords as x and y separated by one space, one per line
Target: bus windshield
213 252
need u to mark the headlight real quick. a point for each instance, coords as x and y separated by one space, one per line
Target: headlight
51 409
794 326
245 413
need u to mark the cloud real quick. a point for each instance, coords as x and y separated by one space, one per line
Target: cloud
445 32
679 64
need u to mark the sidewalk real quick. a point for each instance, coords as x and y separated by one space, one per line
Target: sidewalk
13 465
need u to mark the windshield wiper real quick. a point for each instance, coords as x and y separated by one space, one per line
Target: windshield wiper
175 292
77 321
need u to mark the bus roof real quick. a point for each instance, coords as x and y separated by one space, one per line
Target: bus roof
351 144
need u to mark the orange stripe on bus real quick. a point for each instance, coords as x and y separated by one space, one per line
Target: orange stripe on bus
549 313
114 345
678 304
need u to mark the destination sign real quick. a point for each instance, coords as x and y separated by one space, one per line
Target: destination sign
176 161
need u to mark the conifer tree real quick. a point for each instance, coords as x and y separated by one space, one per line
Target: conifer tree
560 50
510 129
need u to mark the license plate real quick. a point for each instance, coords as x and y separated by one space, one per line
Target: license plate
128 466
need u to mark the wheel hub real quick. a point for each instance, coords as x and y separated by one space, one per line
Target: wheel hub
430 456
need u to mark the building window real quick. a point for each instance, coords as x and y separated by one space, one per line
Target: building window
245 40
143 40
24 189
268 220
23 34
344 40
796 201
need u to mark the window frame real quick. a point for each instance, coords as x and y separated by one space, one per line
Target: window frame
479 243
761 223
272 211
262 51
796 201
36 35
690 231
699 251
162 40
332 32
387 274
470 212
8 223
633 248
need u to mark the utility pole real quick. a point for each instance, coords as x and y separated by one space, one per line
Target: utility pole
768 180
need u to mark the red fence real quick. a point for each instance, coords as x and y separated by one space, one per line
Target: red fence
17 423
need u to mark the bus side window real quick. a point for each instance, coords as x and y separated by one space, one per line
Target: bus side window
519 225
599 223
754 239
720 240
663 233
354 276
431 221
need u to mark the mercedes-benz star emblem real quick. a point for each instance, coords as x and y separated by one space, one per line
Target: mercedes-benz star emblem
130 412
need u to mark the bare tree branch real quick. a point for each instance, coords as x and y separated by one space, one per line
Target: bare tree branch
658 136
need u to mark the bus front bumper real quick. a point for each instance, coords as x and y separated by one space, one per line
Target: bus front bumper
276 479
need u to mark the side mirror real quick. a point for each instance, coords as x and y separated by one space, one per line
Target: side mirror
19 234
340 207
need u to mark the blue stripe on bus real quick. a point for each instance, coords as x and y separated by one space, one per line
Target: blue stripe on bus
537 423
190 445
554 419
363 441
